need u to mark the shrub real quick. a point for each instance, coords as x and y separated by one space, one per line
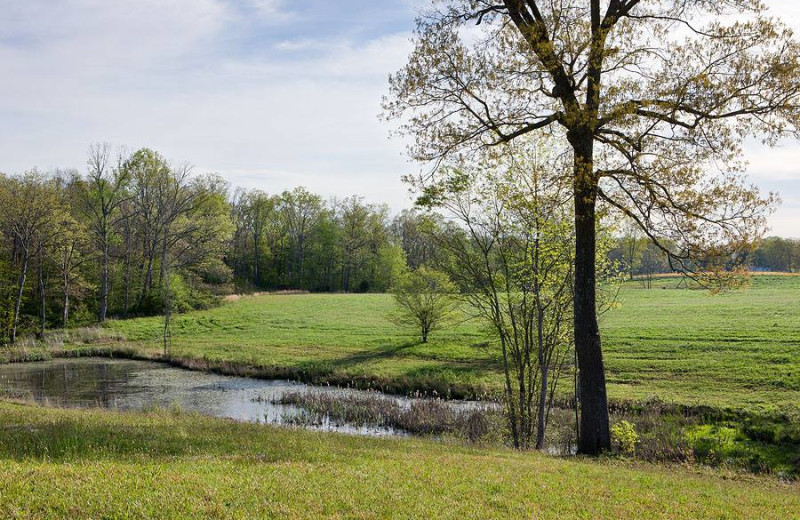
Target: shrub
624 437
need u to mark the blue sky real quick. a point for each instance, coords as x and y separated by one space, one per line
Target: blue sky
269 93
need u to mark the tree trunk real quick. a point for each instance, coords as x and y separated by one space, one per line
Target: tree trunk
167 336
42 306
126 300
65 313
541 425
301 256
148 277
103 284
256 277
594 430
18 301
162 267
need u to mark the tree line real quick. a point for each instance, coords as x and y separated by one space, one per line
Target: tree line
79 248
296 240
638 257
136 235
777 254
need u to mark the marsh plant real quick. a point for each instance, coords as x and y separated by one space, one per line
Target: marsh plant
481 423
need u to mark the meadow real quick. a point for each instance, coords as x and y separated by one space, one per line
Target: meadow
735 353
59 463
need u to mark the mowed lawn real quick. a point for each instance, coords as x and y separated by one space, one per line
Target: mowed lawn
102 464
739 350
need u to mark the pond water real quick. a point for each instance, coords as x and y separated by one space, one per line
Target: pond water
136 385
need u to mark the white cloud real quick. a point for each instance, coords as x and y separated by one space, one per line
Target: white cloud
228 85
274 10
157 74
780 163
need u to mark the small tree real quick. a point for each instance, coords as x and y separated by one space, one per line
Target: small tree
510 245
425 301
510 248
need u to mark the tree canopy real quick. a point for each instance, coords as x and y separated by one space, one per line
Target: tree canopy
651 98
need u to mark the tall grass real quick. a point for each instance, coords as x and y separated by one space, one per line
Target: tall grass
420 416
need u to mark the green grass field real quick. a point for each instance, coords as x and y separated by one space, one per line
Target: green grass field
739 350
101 464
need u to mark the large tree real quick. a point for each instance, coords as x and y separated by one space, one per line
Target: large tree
653 99
105 192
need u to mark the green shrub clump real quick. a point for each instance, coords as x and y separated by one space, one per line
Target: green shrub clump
624 437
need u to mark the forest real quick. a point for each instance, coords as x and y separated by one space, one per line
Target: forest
136 235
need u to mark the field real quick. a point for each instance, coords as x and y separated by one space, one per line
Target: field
60 463
739 350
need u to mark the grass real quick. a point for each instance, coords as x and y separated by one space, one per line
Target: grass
101 464
739 350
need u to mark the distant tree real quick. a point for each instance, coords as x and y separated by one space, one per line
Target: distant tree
152 192
652 98
777 254
105 191
69 249
354 217
425 300
633 242
301 210
30 212
127 229
414 230
652 261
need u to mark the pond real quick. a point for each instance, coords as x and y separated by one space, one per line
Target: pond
138 385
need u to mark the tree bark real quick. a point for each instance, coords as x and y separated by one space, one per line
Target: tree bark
18 301
65 313
594 431
42 307
541 425
127 276
256 277
148 277
104 284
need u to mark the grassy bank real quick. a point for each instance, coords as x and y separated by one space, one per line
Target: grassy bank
78 464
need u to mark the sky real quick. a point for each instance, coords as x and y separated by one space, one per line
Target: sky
271 94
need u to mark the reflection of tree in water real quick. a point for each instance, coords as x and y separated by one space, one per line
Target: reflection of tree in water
64 400
69 384
104 391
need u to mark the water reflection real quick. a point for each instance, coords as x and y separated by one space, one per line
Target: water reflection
137 385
